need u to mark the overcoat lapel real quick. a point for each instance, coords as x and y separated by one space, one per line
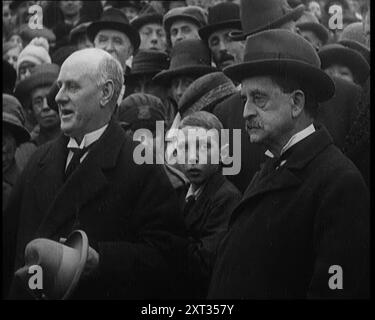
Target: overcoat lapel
86 182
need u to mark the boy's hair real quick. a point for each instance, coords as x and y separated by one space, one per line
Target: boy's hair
202 119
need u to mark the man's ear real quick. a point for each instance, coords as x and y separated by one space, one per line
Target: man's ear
224 153
298 103
107 93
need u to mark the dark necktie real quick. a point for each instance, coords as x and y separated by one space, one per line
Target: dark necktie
190 201
75 161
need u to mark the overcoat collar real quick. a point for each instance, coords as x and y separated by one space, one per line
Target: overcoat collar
300 155
67 198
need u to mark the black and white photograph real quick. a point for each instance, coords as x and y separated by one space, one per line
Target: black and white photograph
188 155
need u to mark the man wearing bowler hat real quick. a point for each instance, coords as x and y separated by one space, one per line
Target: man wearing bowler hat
301 230
223 19
114 34
87 179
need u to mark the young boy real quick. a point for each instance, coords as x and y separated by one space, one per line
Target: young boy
210 198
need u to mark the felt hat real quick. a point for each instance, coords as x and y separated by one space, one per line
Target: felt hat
188 57
14 118
141 110
62 264
221 16
194 14
262 15
148 62
205 93
318 29
114 19
147 15
42 75
338 54
282 52
80 28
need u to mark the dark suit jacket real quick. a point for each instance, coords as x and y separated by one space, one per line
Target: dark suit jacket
129 212
230 113
206 222
293 224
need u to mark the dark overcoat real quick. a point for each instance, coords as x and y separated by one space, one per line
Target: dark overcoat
293 224
206 222
129 212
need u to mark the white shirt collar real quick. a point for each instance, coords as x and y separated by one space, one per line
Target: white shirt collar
88 138
294 139
193 193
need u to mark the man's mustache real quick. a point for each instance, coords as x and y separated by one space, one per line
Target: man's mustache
225 56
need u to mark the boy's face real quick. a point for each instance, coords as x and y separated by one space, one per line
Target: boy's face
9 149
199 151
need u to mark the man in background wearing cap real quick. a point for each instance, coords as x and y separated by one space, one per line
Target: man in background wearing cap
149 24
87 179
14 133
223 19
34 89
183 23
305 214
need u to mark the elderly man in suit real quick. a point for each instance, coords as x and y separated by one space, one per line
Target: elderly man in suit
302 227
87 179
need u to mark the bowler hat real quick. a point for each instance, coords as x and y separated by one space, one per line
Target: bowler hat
205 93
359 47
148 62
262 15
221 16
124 4
195 14
14 118
147 15
42 75
188 57
338 54
114 19
318 29
282 52
61 264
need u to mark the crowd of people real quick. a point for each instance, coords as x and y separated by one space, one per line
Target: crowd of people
81 78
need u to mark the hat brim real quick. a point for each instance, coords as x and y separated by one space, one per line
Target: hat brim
131 33
359 47
137 23
79 241
168 75
24 88
169 21
294 15
206 31
321 32
20 133
312 78
349 57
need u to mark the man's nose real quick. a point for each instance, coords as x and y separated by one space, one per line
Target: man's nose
60 96
249 110
109 46
45 106
222 46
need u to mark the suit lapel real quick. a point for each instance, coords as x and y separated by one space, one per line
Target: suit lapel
86 182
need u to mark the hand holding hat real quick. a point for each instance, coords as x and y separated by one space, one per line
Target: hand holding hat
62 264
